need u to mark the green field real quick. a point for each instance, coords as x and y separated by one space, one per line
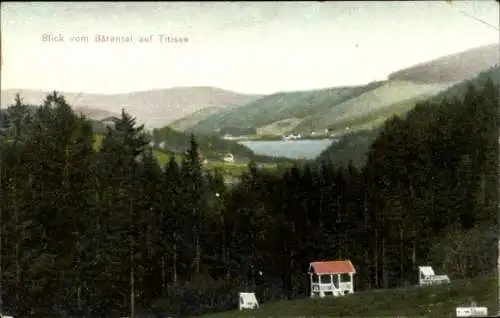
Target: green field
433 301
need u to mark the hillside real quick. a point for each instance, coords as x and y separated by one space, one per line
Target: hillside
316 110
452 68
190 120
374 100
354 146
280 106
155 108
433 301
459 90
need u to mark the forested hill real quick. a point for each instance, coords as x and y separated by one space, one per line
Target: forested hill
354 147
212 147
99 234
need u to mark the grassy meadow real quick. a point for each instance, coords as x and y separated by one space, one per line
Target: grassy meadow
432 301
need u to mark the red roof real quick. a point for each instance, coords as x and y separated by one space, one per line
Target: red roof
332 267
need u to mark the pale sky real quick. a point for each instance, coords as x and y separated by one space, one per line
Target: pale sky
254 47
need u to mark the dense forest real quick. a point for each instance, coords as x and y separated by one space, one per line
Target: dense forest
105 233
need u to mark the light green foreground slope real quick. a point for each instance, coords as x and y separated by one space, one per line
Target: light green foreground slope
280 106
433 301
304 112
375 100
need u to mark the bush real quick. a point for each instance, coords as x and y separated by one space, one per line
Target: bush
466 254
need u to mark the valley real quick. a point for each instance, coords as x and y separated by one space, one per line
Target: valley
317 158
249 125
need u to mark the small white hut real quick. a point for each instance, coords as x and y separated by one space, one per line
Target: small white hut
248 301
426 276
229 158
331 278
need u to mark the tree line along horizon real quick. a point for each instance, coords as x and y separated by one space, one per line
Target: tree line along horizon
94 233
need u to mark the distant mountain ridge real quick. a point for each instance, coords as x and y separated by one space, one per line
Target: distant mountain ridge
351 108
210 110
156 108
451 68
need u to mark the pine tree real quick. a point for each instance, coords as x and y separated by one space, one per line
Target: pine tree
193 185
119 153
171 222
147 205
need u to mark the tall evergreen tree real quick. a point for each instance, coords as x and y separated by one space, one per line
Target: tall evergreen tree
193 185
120 149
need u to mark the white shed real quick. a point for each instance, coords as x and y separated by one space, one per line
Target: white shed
426 276
248 301
229 158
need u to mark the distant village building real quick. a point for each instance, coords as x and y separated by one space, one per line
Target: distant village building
203 160
292 137
229 158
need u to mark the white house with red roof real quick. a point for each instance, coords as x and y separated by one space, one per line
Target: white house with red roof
331 278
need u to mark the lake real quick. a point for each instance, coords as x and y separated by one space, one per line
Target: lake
294 149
